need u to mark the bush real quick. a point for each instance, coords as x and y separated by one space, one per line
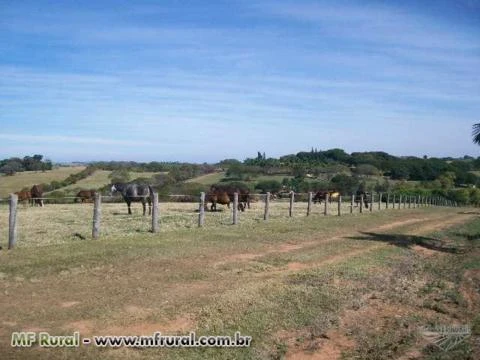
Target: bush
272 186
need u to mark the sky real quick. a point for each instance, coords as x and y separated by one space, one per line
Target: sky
202 81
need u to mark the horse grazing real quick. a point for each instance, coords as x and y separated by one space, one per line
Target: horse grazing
223 198
24 196
85 196
37 193
224 194
134 193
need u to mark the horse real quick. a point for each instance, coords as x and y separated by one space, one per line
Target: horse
85 195
365 195
25 196
223 198
224 194
134 193
322 195
37 193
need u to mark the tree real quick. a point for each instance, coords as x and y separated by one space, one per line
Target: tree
476 133
447 180
11 167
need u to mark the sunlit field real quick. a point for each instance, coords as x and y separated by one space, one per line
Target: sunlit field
60 223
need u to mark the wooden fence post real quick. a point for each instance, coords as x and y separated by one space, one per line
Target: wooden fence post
97 212
309 205
201 210
12 221
290 208
235 208
267 207
155 213
380 201
339 205
361 203
327 199
352 201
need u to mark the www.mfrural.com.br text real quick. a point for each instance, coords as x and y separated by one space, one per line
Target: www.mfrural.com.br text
44 339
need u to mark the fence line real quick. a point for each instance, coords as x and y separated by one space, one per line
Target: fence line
416 202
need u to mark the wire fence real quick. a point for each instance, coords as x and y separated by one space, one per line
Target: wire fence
26 225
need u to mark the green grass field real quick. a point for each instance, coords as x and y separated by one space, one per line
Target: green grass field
350 287
10 184
208 179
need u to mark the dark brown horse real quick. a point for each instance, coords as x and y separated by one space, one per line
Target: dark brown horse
224 194
37 193
85 196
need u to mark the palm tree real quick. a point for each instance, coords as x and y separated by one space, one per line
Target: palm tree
476 133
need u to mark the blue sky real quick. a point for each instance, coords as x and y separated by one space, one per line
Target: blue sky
208 80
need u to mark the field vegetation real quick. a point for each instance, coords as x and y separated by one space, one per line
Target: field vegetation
318 287
27 179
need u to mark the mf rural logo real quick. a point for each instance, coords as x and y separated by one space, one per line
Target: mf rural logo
446 337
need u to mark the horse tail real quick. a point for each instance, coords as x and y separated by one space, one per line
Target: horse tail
150 189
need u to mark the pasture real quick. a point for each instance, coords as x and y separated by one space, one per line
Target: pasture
10 184
303 287
100 178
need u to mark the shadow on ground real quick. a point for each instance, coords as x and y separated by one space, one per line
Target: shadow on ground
407 241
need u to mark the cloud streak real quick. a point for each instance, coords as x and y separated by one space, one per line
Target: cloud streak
180 81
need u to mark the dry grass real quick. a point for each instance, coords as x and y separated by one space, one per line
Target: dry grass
10 184
60 223
223 278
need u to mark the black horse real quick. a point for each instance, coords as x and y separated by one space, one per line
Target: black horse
365 195
135 192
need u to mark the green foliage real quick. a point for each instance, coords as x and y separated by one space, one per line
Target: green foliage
119 176
28 163
462 196
268 186
366 169
345 184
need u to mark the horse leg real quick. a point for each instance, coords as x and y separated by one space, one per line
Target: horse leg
144 206
129 210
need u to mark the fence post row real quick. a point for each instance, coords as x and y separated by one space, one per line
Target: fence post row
12 221
201 210
155 213
97 211
267 206
416 202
